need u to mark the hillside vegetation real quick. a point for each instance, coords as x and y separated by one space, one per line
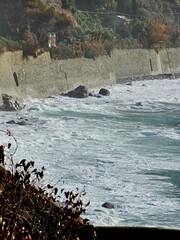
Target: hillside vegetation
87 27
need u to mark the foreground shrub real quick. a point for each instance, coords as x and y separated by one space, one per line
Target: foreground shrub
28 211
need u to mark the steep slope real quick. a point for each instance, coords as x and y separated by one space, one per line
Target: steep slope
33 15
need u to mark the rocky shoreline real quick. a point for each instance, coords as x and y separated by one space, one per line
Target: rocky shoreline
149 77
10 103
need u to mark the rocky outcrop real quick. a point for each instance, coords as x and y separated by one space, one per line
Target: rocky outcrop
82 92
108 205
104 92
11 104
21 123
79 92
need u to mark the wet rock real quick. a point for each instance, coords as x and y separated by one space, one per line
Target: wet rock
79 92
108 205
11 103
138 104
96 95
129 84
24 121
104 92
21 122
11 122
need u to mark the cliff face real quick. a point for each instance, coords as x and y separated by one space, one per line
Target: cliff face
12 17
33 15
72 26
17 16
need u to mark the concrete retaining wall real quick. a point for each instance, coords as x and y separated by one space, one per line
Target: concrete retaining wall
42 77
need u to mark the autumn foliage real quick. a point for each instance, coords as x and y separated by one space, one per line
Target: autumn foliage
158 32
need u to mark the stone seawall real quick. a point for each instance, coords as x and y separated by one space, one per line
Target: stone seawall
42 77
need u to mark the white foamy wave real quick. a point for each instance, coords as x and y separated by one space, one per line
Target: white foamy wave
117 147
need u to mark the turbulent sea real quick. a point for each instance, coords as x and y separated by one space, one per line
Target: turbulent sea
123 149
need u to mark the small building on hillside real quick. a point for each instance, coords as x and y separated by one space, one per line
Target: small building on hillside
52 40
124 19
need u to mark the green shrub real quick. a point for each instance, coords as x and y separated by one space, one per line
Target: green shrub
10 45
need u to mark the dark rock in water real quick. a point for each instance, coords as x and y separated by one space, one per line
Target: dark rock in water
79 92
107 205
51 97
22 122
96 95
11 103
91 94
138 104
11 122
129 83
104 92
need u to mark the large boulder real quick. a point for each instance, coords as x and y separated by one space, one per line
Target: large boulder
79 92
108 205
104 92
11 103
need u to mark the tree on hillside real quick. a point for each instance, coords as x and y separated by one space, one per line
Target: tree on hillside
11 17
94 5
127 6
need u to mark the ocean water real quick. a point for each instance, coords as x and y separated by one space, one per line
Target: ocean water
123 149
